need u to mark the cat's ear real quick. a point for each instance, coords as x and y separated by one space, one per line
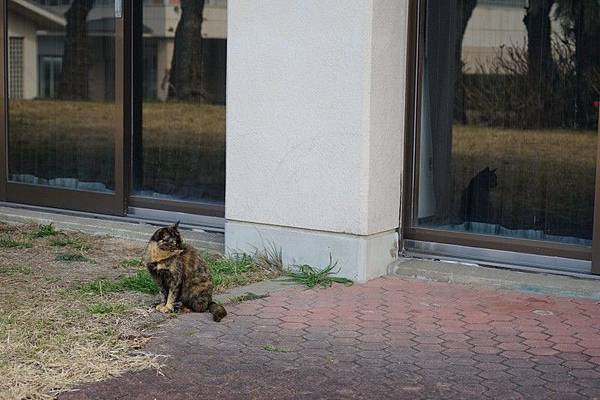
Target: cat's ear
494 170
175 225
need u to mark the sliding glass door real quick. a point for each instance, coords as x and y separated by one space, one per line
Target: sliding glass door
111 106
179 105
505 144
61 110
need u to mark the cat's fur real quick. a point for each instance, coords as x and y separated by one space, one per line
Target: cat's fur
180 273
475 203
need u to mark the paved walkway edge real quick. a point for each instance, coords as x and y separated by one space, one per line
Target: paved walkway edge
478 276
263 288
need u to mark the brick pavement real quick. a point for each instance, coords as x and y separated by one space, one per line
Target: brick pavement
391 338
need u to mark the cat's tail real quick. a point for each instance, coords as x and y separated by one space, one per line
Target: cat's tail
217 310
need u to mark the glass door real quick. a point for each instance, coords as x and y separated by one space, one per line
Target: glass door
505 145
178 144
63 116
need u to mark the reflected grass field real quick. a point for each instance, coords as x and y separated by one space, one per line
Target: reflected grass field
183 144
545 178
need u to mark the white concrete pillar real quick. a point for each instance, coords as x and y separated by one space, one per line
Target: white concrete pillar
315 122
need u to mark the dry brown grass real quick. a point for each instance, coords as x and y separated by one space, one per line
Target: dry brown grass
544 176
64 323
53 336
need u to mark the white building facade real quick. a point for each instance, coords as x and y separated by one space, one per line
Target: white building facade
347 132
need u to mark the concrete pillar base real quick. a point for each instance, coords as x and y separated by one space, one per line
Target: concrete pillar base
358 257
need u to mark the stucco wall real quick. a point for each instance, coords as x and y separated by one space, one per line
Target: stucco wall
315 113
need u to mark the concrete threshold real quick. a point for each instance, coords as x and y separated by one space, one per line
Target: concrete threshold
479 276
132 230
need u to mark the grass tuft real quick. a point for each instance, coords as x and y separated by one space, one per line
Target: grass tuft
311 276
14 270
6 243
60 242
141 282
106 308
270 258
44 231
132 263
64 241
275 349
229 271
71 257
248 296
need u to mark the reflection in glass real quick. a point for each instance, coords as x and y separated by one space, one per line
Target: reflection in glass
61 104
179 153
509 125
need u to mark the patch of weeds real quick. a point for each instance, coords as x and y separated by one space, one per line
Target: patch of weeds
17 269
275 349
100 286
230 270
270 258
248 296
71 257
238 269
132 263
106 308
6 243
311 276
64 241
60 242
44 231
140 282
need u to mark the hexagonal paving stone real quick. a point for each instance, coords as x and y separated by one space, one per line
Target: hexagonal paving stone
391 338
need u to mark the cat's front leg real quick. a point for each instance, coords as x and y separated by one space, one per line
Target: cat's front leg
169 305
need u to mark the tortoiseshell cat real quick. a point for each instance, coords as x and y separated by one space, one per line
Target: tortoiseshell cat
180 273
475 205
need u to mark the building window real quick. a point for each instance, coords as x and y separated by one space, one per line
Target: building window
50 69
15 68
508 127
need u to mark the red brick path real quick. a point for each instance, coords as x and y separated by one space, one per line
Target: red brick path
388 339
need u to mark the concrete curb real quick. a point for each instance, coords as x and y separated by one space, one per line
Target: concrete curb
133 231
475 275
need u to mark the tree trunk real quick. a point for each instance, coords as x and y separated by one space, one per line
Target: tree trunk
587 59
465 11
75 68
186 66
540 65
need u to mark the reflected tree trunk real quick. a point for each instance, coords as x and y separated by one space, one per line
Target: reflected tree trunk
446 27
541 69
582 17
74 78
186 66
465 11
587 59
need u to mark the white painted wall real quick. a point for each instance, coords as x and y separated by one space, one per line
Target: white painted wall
315 113
315 120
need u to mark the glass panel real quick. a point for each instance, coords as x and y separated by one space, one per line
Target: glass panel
180 151
61 104
509 121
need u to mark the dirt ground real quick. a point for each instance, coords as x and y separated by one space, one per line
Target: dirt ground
76 308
